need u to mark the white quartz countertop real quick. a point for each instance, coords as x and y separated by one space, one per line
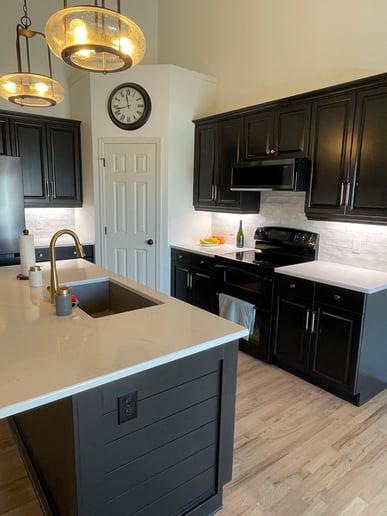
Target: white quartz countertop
336 274
44 357
211 251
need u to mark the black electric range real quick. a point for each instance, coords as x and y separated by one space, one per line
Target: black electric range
248 276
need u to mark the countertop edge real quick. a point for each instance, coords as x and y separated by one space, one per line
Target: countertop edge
291 270
116 375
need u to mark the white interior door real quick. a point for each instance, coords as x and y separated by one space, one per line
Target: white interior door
129 210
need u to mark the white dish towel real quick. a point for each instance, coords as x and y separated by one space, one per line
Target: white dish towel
237 311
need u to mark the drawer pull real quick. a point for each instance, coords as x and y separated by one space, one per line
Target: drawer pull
307 320
40 255
313 329
336 297
292 285
201 262
180 256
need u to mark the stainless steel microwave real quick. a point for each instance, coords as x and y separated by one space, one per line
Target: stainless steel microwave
278 174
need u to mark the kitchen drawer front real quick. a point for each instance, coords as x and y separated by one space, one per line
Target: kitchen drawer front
194 259
289 286
177 255
203 262
340 297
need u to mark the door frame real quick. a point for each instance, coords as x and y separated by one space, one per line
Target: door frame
100 196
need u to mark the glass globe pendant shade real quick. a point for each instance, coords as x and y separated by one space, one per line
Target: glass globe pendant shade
95 39
32 90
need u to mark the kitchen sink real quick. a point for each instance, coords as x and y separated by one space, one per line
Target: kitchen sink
106 297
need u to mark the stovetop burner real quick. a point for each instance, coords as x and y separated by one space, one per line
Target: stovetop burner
278 246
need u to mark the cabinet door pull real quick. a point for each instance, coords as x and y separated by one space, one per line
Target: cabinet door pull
292 285
313 329
307 320
47 189
215 192
347 193
272 151
336 297
180 256
53 190
341 193
188 280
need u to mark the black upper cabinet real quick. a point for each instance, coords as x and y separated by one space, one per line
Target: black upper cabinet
29 142
330 147
51 158
64 164
368 182
5 140
278 132
349 157
217 146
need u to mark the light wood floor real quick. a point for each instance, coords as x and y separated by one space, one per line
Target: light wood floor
299 451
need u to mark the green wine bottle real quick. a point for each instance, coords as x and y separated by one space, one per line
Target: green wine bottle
240 238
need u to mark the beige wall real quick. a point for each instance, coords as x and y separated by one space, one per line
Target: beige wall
265 49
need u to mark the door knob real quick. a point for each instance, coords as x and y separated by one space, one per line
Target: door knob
149 242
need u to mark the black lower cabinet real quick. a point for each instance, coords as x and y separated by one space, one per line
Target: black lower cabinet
42 254
193 279
156 443
330 336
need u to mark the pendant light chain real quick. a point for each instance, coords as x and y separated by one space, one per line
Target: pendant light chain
25 20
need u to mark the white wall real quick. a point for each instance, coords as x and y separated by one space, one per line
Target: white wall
177 96
266 49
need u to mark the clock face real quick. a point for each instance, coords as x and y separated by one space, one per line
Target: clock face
129 106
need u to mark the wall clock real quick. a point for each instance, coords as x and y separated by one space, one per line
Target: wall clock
129 106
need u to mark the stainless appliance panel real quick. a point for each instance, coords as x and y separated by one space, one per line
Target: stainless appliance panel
12 220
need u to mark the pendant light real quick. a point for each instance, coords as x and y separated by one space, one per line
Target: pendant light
94 38
26 88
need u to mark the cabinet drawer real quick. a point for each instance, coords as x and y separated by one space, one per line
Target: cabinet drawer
177 255
203 262
290 286
197 260
340 297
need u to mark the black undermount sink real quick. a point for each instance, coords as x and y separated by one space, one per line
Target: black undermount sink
105 297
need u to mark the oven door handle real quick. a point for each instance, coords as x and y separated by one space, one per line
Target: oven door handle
241 270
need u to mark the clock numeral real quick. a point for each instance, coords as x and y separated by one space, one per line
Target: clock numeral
140 105
122 118
116 106
117 112
117 99
128 119
139 113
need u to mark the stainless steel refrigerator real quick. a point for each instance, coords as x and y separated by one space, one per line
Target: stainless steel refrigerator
12 221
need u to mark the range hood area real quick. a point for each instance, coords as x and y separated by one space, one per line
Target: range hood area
290 174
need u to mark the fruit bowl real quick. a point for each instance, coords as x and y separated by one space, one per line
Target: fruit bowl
212 241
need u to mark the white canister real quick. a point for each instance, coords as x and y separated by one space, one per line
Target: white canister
35 276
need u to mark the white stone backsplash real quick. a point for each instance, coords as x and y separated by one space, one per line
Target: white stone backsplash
336 238
44 222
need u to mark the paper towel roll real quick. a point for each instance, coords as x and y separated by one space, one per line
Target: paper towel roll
27 252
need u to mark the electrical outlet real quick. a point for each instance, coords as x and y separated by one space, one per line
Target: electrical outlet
127 407
356 245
